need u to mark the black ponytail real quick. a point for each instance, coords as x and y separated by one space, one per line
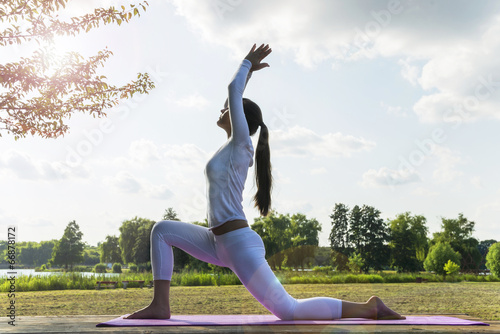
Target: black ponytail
263 175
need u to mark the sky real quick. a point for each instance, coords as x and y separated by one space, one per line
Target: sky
392 104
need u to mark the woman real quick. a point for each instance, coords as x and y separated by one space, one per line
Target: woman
229 241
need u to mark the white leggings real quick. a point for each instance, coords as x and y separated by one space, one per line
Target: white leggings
242 251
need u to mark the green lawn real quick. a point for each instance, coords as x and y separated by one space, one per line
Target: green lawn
480 300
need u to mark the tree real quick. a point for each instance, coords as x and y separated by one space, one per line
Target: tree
323 256
408 243
44 252
288 239
27 254
110 250
274 229
304 240
91 256
356 228
170 214
458 233
375 251
339 236
39 93
483 248
493 259
438 256
69 249
128 233
134 240
141 251
356 262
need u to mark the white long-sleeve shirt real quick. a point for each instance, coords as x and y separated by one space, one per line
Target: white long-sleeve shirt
227 170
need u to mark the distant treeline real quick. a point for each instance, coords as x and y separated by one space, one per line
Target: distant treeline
360 241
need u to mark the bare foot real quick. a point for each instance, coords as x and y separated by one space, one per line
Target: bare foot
150 312
382 312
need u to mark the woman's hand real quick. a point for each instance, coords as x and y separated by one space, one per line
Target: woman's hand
255 56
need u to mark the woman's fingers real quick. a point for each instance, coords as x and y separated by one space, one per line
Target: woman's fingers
257 54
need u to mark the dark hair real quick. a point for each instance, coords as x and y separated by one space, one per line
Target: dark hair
263 175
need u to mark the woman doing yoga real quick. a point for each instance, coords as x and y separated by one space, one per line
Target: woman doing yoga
229 241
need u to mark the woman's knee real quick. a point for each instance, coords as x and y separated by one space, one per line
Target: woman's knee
160 227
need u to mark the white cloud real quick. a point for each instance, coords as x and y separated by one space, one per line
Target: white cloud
165 170
477 182
125 182
22 165
27 168
421 191
318 171
385 177
435 108
187 156
195 101
486 219
159 192
144 152
299 142
393 110
457 42
446 164
409 72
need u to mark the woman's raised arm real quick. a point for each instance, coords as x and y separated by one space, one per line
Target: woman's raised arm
252 62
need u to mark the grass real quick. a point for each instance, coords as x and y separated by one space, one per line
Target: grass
477 299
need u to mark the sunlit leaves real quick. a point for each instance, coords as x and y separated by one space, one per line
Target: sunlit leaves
38 93
40 24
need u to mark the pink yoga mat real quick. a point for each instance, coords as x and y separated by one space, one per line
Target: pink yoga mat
248 320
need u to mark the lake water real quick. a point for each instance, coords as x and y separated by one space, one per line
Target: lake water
27 272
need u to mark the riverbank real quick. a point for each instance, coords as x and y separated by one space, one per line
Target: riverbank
80 281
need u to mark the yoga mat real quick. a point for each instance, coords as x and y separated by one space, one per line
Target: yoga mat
249 320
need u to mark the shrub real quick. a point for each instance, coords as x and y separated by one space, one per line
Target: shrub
144 267
132 268
493 259
197 280
438 255
100 268
350 279
81 269
228 279
399 278
375 279
324 269
117 268
356 262
451 267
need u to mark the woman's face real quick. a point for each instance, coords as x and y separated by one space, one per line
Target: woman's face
224 121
